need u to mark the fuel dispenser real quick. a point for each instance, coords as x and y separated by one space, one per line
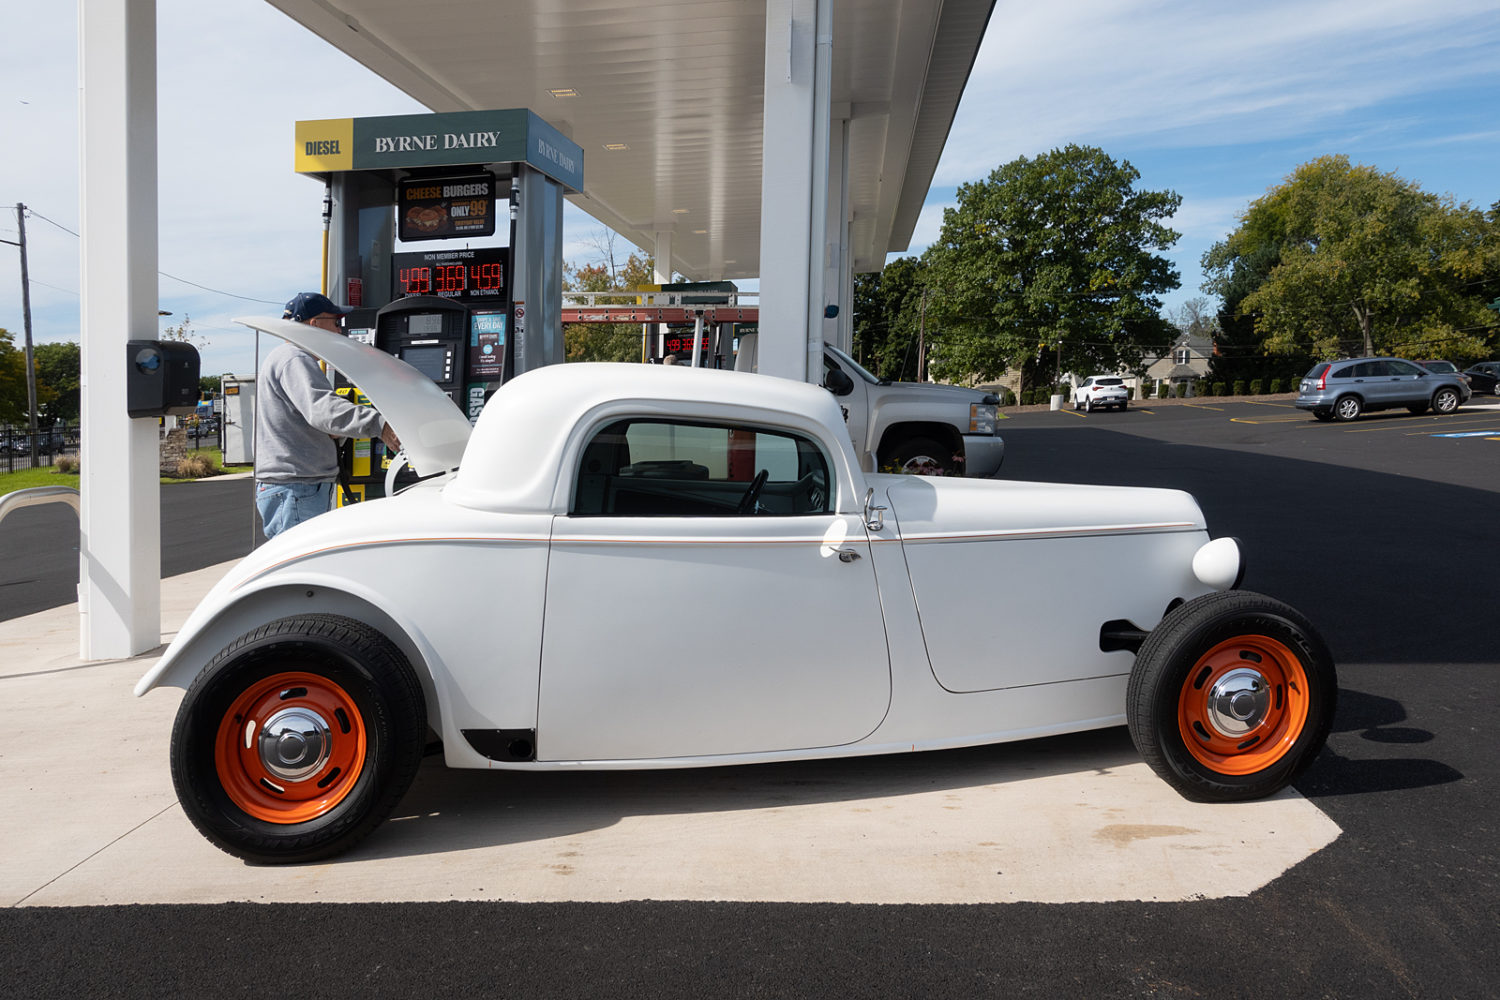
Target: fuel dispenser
467 316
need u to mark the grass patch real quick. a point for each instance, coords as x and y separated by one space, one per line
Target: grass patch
199 464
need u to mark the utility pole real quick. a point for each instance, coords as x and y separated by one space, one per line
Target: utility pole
922 339
26 321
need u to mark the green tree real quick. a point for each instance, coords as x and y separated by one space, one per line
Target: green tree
12 380
888 319
1050 263
1342 259
57 380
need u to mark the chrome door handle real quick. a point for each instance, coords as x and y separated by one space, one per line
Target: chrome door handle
847 555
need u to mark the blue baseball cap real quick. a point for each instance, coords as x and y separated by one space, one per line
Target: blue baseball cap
306 305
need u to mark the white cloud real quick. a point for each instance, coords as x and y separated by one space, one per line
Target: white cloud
1177 73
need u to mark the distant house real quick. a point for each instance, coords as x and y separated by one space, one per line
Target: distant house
1185 361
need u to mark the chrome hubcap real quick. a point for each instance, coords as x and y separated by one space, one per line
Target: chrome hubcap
1239 702
294 743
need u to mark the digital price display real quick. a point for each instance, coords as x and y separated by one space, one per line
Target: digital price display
468 276
681 344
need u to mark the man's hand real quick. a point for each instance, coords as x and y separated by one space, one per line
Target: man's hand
389 438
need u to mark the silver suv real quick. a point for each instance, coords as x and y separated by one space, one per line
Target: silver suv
1342 390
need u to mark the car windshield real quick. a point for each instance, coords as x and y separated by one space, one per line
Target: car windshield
858 368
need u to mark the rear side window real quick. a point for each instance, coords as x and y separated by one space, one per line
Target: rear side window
1317 370
662 468
1345 372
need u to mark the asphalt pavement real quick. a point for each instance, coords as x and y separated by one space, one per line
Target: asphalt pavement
1379 530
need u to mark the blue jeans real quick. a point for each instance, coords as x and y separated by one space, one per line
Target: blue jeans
283 505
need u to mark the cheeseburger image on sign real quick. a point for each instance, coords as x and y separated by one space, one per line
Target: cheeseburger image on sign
426 218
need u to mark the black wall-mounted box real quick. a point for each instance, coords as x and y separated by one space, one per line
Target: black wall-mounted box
161 378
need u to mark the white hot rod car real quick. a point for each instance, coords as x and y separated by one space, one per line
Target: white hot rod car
632 566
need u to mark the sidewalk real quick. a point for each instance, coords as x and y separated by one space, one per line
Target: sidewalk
93 819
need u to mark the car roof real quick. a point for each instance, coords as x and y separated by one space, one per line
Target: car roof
517 456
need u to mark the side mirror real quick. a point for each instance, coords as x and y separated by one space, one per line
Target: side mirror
838 383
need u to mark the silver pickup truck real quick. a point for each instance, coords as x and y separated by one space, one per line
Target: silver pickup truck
915 427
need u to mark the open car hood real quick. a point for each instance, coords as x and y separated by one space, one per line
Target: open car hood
433 431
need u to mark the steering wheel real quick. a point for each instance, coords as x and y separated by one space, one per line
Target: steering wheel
747 502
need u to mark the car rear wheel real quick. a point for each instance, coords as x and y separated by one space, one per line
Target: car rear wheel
1124 405
1231 697
298 739
1088 406
1347 408
1445 400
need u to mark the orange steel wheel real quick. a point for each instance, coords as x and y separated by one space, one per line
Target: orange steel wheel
1243 705
290 747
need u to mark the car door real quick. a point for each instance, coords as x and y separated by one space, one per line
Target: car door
1406 384
686 618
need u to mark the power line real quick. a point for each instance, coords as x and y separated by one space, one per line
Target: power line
164 274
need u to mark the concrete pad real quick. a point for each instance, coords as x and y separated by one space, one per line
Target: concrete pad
93 819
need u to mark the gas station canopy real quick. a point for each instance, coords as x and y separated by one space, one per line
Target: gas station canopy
665 100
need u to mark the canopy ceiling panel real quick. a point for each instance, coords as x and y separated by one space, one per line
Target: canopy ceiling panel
666 100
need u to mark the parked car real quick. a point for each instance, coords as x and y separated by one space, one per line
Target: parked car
513 605
1342 390
1444 368
1484 377
1100 390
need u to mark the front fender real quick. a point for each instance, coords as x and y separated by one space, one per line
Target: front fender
230 611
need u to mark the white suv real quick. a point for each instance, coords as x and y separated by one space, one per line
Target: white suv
1100 390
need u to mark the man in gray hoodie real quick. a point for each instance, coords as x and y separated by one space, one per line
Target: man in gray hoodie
298 416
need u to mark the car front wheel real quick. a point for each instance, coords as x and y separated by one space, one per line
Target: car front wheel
1231 697
298 739
1445 400
1347 408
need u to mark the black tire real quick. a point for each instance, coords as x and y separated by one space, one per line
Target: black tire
343 683
1417 409
1075 402
921 456
1347 408
1088 406
1445 400
1323 415
1124 406
1276 684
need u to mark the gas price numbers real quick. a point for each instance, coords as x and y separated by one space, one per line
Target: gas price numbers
467 275
452 280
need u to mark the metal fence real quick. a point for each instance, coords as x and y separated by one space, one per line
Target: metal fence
18 450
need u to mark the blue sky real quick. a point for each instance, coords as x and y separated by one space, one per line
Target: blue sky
1217 102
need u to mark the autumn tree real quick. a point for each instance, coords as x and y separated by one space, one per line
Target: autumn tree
606 341
1050 263
1341 259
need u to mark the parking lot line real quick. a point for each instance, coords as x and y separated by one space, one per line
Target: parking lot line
1204 406
1290 418
1405 426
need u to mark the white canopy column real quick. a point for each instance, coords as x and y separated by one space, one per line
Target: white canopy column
661 274
119 550
794 187
838 274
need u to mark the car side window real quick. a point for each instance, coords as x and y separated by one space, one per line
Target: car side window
1403 368
1345 372
650 467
